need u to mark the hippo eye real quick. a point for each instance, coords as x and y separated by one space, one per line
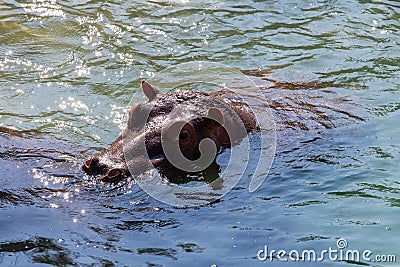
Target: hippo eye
184 135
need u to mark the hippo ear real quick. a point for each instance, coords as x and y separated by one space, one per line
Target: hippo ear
216 114
149 90
137 117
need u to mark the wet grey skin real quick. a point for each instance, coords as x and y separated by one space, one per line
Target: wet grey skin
139 148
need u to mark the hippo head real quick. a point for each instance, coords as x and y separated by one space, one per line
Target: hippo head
139 148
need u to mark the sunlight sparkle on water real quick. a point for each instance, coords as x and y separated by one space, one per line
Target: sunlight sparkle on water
44 8
54 206
71 103
66 196
84 20
117 30
180 1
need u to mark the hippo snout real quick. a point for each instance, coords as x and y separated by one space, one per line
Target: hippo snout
92 166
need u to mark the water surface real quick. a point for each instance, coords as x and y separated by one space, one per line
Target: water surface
67 73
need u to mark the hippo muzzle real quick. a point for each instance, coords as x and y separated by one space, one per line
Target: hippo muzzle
92 166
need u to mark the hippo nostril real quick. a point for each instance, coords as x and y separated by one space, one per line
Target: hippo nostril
86 166
91 166
87 163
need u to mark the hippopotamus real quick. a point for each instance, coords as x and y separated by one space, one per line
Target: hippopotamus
139 148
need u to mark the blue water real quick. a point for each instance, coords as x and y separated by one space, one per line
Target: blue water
329 68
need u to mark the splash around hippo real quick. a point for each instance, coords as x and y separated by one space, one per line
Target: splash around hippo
159 134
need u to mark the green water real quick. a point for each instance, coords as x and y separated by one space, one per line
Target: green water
68 70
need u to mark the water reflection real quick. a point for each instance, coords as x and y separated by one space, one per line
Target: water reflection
41 250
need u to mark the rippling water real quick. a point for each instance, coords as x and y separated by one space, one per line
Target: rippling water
67 73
